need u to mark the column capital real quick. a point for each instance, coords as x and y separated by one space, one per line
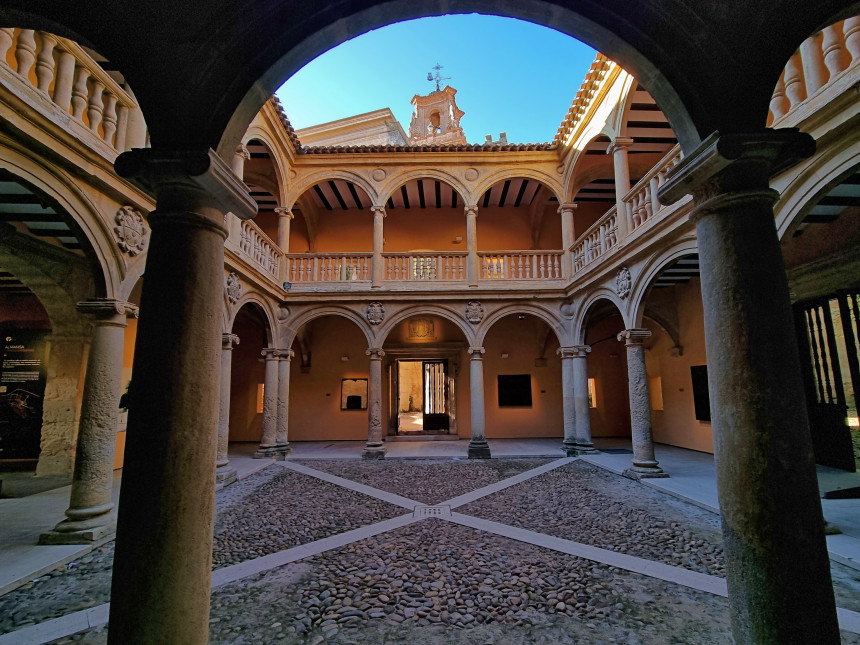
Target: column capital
574 351
229 341
736 166
283 211
567 206
270 353
471 209
106 309
619 143
378 210
634 336
476 353
286 354
184 180
243 152
375 353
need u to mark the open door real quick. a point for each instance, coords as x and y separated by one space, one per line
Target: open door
422 397
435 395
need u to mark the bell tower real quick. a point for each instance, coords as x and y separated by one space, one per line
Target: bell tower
436 119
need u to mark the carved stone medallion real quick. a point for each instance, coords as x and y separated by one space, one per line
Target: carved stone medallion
623 282
474 312
422 329
130 230
283 313
374 313
233 288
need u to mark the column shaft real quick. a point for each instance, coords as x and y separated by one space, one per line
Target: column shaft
473 267
584 444
90 514
644 462
285 216
567 401
478 446
268 441
377 267
375 448
223 472
618 150
163 560
282 437
567 238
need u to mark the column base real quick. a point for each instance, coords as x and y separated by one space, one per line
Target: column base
84 536
585 449
226 476
479 450
569 449
284 449
266 452
373 451
643 472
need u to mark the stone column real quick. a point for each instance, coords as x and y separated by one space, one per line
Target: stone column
238 162
375 448
90 515
644 462
223 472
282 442
567 238
618 150
268 442
567 400
478 446
285 216
163 562
584 444
473 267
778 571
377 267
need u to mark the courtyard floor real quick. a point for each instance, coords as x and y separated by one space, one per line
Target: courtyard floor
436 550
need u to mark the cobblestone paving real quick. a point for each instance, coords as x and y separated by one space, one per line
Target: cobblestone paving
583 503
427 481
287 510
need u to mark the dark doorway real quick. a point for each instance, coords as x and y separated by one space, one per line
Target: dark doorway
422 397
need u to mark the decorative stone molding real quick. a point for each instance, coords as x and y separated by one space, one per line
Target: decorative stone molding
567 206
422 329
378 174
620 143
229 341
233 288
476 353
107 308
271 353
283 211
380 210
471 174
242 152
574 351
375 313
283 313
375 353
130 230
623 282
474 312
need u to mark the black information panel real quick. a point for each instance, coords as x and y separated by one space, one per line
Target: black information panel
22 392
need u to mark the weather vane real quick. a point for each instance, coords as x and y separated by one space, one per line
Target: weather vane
438 78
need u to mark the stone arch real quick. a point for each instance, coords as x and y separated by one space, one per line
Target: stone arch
445 312
574 179
398 180
304 183
544 314
77 205
291 328
260 303
799 188
621 115
652 268
548 181
581 319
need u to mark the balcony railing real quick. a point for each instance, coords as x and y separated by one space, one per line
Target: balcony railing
328 267
256 246
520 265
425 267
641 202
75 83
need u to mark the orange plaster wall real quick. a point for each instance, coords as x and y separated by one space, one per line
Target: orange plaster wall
315 412
676 424
504 229
586 214
248 370
340 231
550 228
545 417
127 363
432 229
607 363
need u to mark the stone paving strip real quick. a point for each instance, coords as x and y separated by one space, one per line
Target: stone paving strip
429 481
583 503
276 484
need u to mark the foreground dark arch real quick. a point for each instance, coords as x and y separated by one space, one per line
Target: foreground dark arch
223 59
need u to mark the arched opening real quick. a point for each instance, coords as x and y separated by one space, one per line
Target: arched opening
609 403
247 376
423 387
329 381
522 379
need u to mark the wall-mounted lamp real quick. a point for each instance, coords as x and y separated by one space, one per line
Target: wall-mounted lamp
505 355
287 286
458 239
521 316
345 359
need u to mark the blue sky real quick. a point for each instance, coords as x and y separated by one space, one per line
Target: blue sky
510 75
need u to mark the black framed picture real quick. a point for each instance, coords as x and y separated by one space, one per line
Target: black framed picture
701 398
515 390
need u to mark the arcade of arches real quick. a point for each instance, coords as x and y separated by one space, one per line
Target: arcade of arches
635 277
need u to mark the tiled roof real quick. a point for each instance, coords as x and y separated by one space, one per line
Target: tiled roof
586 92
